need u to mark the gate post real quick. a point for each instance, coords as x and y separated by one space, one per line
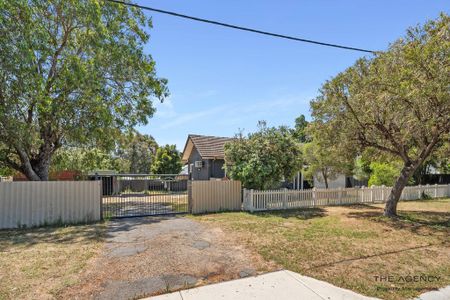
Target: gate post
189 187
251 207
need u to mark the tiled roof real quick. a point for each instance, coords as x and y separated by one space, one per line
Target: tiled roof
209 147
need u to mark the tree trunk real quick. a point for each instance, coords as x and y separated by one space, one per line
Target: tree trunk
390 210
42 169
35 168
325 179
29 173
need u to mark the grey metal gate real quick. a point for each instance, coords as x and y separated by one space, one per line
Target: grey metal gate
133 195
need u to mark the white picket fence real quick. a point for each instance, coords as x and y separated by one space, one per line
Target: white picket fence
255 200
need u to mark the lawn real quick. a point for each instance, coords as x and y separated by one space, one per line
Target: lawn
39 263
353 246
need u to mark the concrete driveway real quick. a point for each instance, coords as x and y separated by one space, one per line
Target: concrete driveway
284 285
154 255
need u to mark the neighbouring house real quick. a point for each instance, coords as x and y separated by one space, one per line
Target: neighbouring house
205 157
339 181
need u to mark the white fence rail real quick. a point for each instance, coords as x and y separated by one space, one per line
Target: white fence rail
49 202
255 200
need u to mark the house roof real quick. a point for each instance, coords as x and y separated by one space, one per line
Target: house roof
209 147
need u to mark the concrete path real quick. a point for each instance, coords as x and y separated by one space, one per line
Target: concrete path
441 294
283 285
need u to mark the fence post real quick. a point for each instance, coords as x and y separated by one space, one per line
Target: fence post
371 194
435 190
340 195
361 191
251 206
285 198
189 192
419 193
382 193
244 199
314 196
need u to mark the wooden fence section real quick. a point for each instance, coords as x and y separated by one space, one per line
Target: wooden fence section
28 204
214 196
287 199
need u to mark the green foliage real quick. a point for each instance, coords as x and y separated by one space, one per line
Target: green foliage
82 159
299 131
362 168
134 154
136 151
323 161
5 171
264 158
396 103
383 174
72 73
167 160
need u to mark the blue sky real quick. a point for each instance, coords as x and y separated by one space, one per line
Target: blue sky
222 80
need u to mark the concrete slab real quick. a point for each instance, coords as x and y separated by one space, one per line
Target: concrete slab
284 285
171 296
327 290
441 294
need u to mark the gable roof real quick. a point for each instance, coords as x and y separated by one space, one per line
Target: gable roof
209 147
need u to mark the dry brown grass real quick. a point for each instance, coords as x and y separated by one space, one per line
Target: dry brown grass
349 246
39 263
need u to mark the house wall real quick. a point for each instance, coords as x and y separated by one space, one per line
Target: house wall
196 173
212 168
338 182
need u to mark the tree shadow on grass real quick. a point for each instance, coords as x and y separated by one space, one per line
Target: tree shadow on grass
361 206
301 214
380 254
427 223
81 233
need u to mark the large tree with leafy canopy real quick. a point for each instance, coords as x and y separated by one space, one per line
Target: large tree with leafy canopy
72 72
136 153
397 102
167 160
323 162
262 159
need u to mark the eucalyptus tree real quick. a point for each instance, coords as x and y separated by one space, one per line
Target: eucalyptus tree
397 102
71 72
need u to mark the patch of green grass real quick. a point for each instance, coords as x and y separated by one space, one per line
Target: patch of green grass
348 246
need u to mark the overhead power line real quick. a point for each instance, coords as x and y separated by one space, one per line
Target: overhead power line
272 34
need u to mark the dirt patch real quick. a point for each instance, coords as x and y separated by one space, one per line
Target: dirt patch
148 256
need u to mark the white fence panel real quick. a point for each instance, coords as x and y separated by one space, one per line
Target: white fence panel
255 200
28 204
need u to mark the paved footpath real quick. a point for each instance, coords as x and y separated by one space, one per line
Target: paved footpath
285 285
441 294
